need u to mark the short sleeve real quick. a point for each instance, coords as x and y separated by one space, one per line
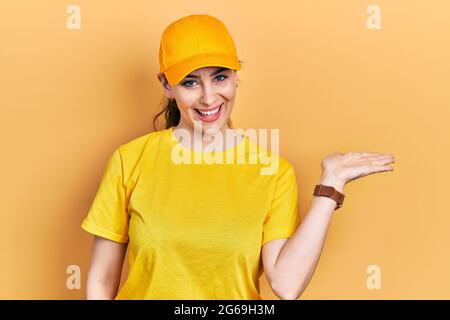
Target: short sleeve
108 216
283 217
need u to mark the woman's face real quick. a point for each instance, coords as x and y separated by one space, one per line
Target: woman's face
206 94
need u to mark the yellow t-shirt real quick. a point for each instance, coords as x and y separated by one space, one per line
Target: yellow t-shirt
194 230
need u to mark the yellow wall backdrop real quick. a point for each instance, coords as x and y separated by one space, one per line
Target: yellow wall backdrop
313 69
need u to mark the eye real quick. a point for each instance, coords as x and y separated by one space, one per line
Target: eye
188 82
221 75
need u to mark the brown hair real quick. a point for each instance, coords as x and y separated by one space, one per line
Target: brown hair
172 113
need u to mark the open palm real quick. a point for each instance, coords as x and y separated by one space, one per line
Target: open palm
353 165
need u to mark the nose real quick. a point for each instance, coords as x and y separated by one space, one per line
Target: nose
208 94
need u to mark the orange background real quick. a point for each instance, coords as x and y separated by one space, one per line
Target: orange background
311 68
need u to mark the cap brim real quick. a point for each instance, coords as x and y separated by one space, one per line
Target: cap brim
178 71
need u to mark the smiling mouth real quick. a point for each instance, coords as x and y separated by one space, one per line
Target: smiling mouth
209 113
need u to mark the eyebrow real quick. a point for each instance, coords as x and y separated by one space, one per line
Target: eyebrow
212 74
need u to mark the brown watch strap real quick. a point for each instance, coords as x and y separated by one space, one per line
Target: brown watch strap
330 192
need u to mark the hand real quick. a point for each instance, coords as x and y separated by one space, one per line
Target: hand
344 168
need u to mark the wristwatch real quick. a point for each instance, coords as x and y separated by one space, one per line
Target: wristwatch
330 192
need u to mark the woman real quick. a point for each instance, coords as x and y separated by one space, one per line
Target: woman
199 230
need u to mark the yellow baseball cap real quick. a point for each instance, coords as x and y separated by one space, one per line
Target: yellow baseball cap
193 42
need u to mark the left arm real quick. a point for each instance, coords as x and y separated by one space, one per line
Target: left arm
300 254
297 259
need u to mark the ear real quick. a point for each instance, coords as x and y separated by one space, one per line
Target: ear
236 77
166 86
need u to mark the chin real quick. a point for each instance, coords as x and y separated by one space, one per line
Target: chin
211 127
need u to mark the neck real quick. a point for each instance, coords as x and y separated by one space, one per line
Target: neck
201 139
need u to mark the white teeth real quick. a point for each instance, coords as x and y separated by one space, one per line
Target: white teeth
210 113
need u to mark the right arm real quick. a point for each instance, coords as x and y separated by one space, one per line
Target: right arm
106 269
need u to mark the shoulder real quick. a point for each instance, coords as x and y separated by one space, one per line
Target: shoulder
132 151
136 146
285 164
286 172
275 164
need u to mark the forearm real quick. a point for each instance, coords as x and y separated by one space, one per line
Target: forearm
100 291
102 284
299 256
106 268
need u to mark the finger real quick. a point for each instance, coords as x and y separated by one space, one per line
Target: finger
382 161
370 154
376 161
380 168
376 154
389 159
373 170
382 157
